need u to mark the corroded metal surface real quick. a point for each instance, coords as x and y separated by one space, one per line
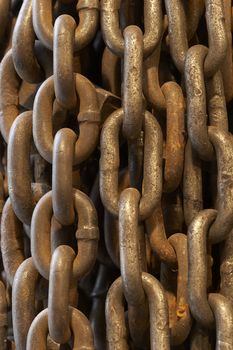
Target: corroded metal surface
116 174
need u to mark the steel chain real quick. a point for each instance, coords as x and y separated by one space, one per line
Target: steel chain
116 174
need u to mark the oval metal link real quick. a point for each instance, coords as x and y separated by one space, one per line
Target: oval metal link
175 136
62 187
64 78
11 241
158 238
223 144
130 265
197 260
217 35
177 29
59 283
226 267
23 298
85 31
181 329
79 324
9 94
87 234
217 108
111 30
88 117
132 84
23 193
196 102
151 83
19 167
223 312
159 330
109 164
227 65
23 46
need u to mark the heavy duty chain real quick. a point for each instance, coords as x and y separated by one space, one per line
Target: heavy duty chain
116 174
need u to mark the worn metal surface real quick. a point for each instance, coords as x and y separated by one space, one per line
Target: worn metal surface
116 175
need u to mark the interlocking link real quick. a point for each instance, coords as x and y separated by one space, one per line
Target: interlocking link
158 238
196 102
23 49
116 330
130 264
109 164
197 280
37 336
175 138
222 309
111 29
84 32
9 91
132 84
24 301
60 278
12 245
88 117
24 194
64 146
223 143
64 80
181 326
87 234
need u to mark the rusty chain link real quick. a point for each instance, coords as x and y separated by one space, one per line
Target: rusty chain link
116 174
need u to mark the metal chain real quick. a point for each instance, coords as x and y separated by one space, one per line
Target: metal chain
116 174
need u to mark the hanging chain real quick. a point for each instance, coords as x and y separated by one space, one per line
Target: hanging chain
116 174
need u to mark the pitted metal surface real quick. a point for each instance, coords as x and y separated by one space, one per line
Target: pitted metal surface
116 175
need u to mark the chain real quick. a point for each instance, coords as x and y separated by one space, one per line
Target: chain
116 174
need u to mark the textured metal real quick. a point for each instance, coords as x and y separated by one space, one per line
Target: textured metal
116 175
